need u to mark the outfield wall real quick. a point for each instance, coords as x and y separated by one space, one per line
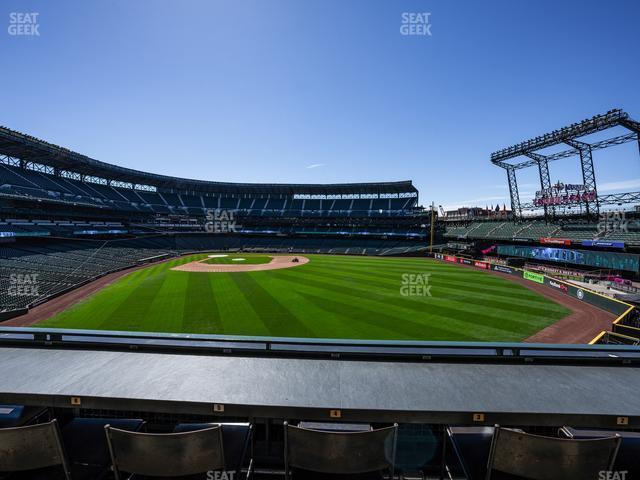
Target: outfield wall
609 260
606 303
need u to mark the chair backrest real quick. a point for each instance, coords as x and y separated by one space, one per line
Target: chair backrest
31 447
548 458
340 452
165 454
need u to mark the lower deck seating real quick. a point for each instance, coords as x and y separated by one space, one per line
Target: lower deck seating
536 229
29 274
106 447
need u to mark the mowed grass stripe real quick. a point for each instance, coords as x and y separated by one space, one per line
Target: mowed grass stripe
406 308
133 303
333 297
276 317
97 310
169 298
419 266
402 329
515 297
313 317
422 310
456 276
200 312
332 323
237 314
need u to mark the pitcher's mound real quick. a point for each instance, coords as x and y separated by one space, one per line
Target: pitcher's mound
283 261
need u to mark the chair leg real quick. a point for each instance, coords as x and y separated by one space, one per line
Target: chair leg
286 457
444 452
492 451
114 467
61 451
393 453
248 445
249 469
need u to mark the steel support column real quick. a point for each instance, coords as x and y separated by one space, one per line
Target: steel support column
545 181
588 173
634 127
513 192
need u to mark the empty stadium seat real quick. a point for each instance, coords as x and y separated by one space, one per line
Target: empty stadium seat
236 438
535 457
325 453
34 447
86 445
628 454
166 454
471 446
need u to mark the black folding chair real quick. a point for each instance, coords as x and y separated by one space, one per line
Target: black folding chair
165 454
547 458
628 458
32 447
86 446
237 439
330 452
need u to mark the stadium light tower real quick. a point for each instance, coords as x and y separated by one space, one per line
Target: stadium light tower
552 197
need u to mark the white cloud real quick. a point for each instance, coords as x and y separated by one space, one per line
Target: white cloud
622 185
316 165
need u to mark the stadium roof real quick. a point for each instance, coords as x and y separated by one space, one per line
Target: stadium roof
30 149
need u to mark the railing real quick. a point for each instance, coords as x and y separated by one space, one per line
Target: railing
622 287
620 320
338 349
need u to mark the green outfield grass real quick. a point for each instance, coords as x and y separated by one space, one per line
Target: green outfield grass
330 297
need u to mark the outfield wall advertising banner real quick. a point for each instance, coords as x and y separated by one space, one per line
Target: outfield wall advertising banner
592 298
609 260
502 268
555 241
534 277
466 261
559 286
602 243
609 304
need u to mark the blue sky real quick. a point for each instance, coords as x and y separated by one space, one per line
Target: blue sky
323 91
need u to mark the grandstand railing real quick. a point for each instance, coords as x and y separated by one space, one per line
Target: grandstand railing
322 348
